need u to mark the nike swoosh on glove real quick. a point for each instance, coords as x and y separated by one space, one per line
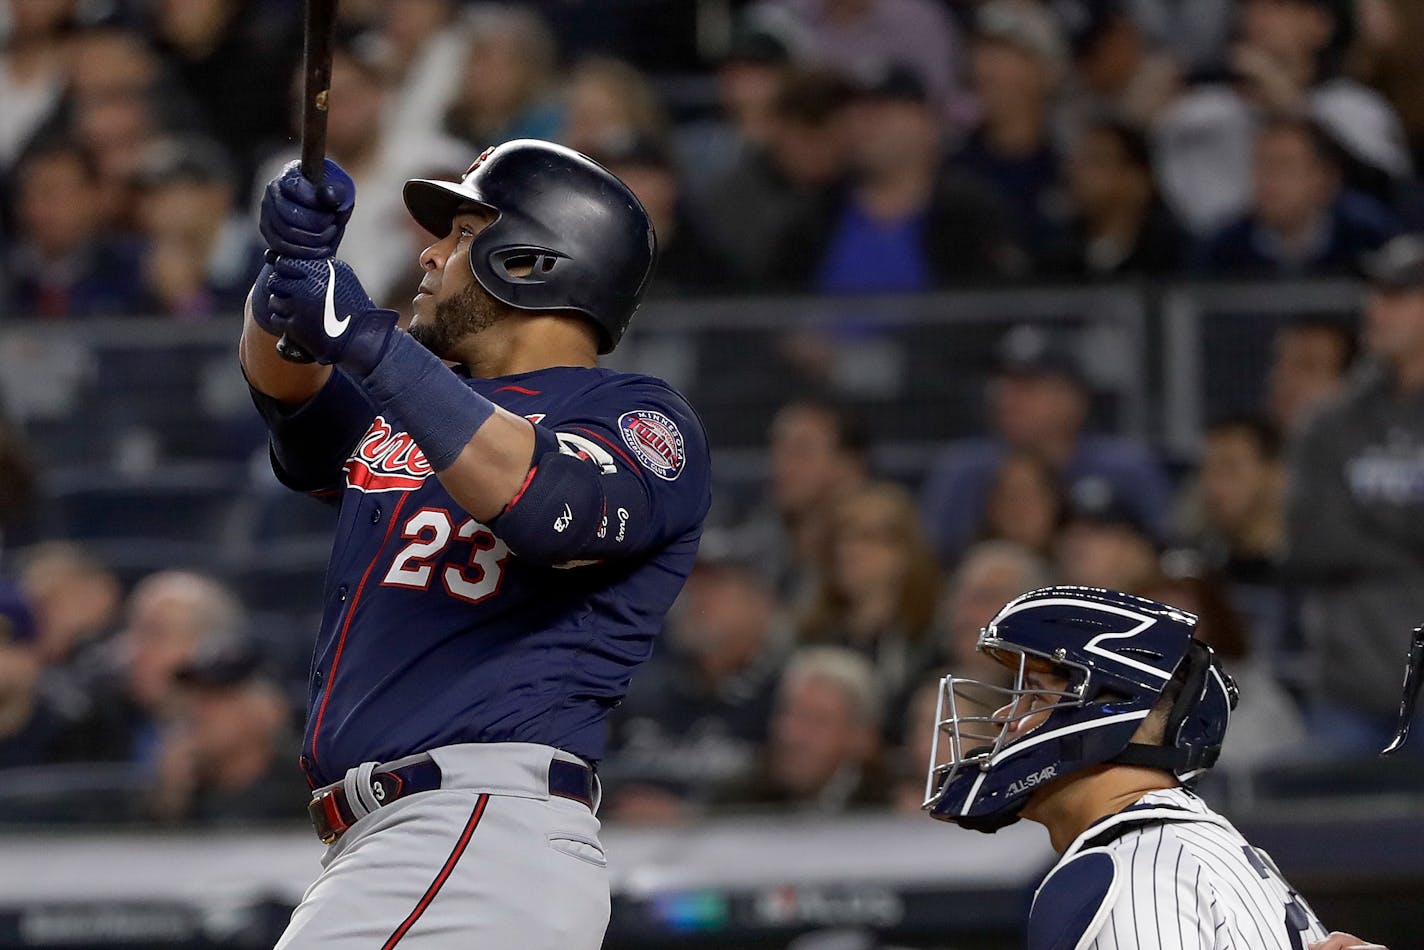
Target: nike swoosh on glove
321 306
306 220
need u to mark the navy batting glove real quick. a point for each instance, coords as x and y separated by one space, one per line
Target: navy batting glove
304 220
320 306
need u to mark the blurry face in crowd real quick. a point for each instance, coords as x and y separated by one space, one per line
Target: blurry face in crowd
748 92
1308 366
984 583
1286 29
724 616
56 207
594 113
182 221
1032 410
815 732
889 134
357 98
110 62
1007 79
1293 185
499 77
72 602
1238 483
162 635
1024 503
1394 324
869 556
36 18
1100 554
807 462
192 23
1100 176
409 23
451 304
812 155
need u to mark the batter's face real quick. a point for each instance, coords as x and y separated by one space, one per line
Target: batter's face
451 305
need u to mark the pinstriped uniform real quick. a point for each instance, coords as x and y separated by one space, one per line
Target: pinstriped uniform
1188 880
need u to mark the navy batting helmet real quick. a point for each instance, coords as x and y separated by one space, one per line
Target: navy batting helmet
589 241
1119 654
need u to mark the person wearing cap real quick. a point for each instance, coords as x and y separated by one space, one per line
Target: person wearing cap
224 754
1354 511
908 222
1039 399
1018 60
1105 541
1116 68
199 259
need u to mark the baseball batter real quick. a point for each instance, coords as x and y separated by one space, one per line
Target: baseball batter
1115 709
511 533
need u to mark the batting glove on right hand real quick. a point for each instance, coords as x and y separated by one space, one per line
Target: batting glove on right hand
321 307
304 220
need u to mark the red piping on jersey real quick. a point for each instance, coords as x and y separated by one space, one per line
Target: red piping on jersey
351 613
440 878
522 489
517 389
621 454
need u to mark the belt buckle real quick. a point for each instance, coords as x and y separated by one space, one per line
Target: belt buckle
325 812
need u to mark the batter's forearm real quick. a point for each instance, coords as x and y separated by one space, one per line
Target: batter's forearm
268 373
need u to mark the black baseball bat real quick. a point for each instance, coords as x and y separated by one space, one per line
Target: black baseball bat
1413 677
316 64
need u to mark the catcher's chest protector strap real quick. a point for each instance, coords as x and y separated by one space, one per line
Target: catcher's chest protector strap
1073 902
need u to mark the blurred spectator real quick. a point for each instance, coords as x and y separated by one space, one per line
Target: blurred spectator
1018 57
864 36
824 749
63 262
1105 542
19 484
1039 400
687 264
1115 68
1387 58
609 105
1027 502
28 730
990 574
752 212
172 617
1120 227
1286 62
819 454
1302 223
226 753
380 162
200 258
423 46
750 75
693 730
32 70
120 99
212 42
1354 511
1310 359
507 88
1266 725
75 599
881 587
908 223
1241 496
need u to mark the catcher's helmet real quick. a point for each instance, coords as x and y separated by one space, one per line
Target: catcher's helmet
589 240
1119 653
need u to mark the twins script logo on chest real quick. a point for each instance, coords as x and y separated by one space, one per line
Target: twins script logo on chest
386 460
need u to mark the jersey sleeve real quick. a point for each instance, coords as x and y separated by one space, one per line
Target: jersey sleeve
647 451
309 444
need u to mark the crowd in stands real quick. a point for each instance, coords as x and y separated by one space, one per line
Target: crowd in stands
810 147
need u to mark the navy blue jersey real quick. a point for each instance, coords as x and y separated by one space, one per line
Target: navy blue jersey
433 632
